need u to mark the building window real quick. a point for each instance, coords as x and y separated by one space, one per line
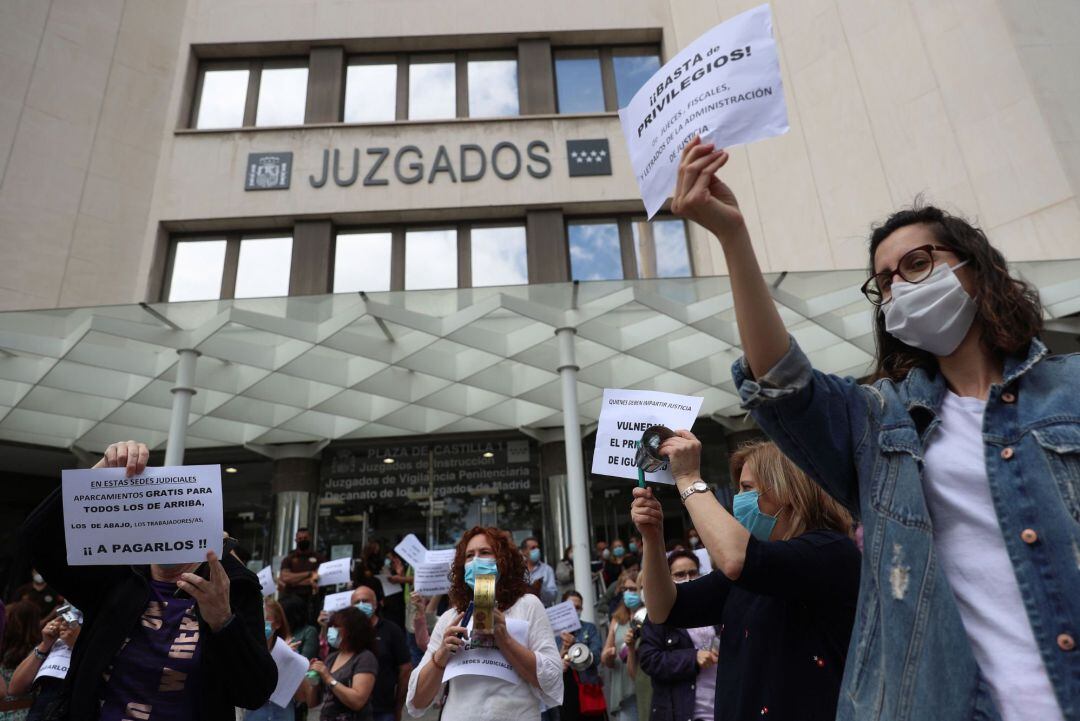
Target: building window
431 259
362 262
197 267
432 88
595 250
370 92
578 82
498 256
282 96
632 68
493 88
263 267
222 99
661 249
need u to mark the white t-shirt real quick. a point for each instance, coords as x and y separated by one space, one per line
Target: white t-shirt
971 548
705 687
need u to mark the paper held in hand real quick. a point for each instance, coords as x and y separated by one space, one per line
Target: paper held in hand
624 416
337 601
488 661
266 580
564 617
725 86
430 568
334 572
170 514
291 668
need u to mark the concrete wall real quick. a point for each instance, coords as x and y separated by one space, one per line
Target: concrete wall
973 103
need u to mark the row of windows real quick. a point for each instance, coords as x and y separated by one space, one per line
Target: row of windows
278 88
363 260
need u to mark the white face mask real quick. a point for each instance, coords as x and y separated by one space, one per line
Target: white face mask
933 315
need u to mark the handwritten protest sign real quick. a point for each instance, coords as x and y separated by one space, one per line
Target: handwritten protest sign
725 87
57 663
389 588
266 580
563 617
488 661
430 568
291 668
334 572
624 416
165 515
431 579
337 601
412 550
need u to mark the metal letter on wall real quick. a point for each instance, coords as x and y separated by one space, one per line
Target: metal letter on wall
589 157
268 171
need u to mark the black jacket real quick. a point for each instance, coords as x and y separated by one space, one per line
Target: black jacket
237 668
668 656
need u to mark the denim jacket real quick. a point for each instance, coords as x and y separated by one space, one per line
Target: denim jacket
909 656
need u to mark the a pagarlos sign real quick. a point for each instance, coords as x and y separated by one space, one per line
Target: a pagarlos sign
412 164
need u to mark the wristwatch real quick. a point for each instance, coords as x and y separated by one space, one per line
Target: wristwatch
695 487
333 682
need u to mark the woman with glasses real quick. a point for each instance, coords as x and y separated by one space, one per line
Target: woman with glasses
680 662
962 455
782 597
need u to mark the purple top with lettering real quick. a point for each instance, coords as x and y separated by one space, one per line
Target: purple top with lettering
155 676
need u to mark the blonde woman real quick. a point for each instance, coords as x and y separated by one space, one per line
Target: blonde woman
784 589
620 651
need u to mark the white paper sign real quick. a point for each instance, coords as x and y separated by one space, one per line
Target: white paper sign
624 416
56 663
725 86
170 514
412 550
704 562
445 555
334 572
431 579
266 580
563 617
488 661
291 668
337 601
389 588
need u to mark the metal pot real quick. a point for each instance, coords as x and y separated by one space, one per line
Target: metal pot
648 457
579 656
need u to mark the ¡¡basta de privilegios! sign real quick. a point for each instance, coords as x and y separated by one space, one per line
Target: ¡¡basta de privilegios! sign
725 87
170 514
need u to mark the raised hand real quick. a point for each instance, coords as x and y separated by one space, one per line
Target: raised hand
648 516
125 454
702 197
683 451
211 594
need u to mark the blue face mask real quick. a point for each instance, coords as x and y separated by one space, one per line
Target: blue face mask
333 637
366 608
633 548
480 567
619 552
632 599
268 629
748 513
534 555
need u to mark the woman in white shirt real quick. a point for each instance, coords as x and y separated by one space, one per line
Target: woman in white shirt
534 666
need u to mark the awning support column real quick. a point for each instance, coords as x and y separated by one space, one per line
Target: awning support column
575 475
181 406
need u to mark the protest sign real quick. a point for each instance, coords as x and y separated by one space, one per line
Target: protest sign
291 668
337 601
431 579
444 555
389 588
57 663
266 580
412 550
564 617
166 515
334 572
488 661
725 86
624 416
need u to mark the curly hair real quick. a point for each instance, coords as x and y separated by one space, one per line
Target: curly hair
357 632
513 575
1008 309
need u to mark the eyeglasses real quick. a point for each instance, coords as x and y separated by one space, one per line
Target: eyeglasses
915 266
685 575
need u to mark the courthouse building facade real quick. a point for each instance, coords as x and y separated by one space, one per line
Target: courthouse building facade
367 219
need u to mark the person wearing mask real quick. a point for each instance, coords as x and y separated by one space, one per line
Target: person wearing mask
372 562
37 590
136 615
299 571
681 663
347 678
960 455
693 540
613 565
391 651
589 635
304 634
57 635
620 652
541 575
603 553
564 572
784 588
276 626
22 634
393 606
536 661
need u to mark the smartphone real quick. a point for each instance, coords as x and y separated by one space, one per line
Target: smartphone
203 571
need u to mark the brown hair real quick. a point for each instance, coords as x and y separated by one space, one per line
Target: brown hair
22 632
283 632
622 614
811 508
357 633
1008 309
512 583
